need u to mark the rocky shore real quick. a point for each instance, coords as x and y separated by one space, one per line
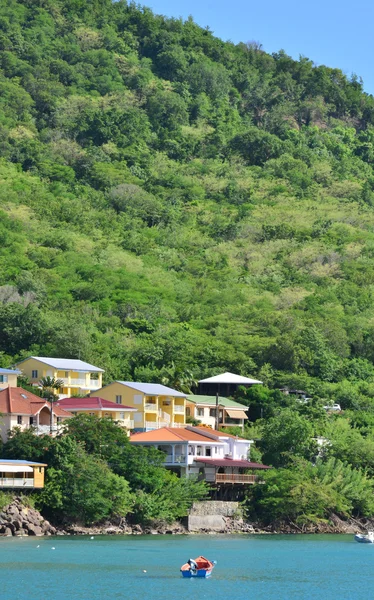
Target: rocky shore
16 519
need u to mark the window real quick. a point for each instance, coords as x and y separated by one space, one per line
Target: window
34 374
122 416
208 452
118 399
212 412
66 375
19 420
200 412
199 451
188 411
3 378
31 420
91 414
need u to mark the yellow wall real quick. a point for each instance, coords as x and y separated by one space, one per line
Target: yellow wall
146 414
12 381
77 382
38 477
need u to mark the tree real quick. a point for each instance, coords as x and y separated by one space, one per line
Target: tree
49 386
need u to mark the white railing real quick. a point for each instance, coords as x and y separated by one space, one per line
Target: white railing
16 482
95 384
80 382
128 424
46 429
178 425
151 425
178 408
150 406
65 380
164 416
178 459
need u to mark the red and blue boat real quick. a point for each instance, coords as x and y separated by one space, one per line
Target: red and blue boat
198 567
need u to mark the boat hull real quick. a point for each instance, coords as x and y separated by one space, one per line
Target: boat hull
199 573
363 539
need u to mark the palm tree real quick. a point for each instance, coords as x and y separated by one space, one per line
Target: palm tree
49 386
179 378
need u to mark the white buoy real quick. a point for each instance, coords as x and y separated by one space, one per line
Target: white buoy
144 571
53 548
38 546
92 537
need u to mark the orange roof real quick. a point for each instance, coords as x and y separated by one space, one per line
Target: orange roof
16 400
207 429
170 434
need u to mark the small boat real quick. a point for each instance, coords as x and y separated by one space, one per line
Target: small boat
365 539
198 567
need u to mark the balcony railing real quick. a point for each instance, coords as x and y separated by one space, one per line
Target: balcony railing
178 408
19 482
128 424
79 382
178 459
165 417
46 429
235 478
151 425
150 406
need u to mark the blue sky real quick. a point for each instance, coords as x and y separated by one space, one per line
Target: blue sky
331 32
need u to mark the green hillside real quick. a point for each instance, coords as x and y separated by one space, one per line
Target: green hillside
173 203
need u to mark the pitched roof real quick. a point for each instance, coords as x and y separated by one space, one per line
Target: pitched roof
11 461
65 364
16 400
229 462
152 389
170 434
9 372
205 429
211 401
92 403
230 378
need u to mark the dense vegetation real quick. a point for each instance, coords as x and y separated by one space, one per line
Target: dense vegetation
173 206
95 474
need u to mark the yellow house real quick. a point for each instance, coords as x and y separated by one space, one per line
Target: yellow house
157 405
99 407
8 378
79 378
21 474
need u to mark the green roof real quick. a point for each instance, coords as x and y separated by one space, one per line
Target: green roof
211 401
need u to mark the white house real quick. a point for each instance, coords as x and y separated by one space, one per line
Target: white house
216 457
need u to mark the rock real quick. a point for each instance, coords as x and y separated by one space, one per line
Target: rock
34 529
8 532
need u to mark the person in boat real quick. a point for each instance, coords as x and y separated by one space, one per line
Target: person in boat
193 565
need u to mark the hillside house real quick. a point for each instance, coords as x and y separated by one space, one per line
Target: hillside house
225 384
21 474
79 378
20 408
8 378
99 407
217 457
203 408
156 405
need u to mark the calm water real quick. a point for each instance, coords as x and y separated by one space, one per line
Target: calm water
249 567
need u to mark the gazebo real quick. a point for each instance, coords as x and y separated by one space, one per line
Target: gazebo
224 384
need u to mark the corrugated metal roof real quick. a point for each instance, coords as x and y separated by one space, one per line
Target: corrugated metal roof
65 364
229 462
152 389
211 401
11 461
92 403
9 372
230 378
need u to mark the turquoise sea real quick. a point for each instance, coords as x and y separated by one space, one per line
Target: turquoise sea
248 567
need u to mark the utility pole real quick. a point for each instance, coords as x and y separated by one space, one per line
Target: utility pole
217 403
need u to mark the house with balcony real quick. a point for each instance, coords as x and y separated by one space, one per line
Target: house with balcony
156 405
20 408
225 384
99 407
8 378
204 409
79 378
21 474
217 457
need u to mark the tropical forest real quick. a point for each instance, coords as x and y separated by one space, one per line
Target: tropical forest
174 206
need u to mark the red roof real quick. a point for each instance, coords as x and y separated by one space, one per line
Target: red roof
171 434
16 400
91 403
229 462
